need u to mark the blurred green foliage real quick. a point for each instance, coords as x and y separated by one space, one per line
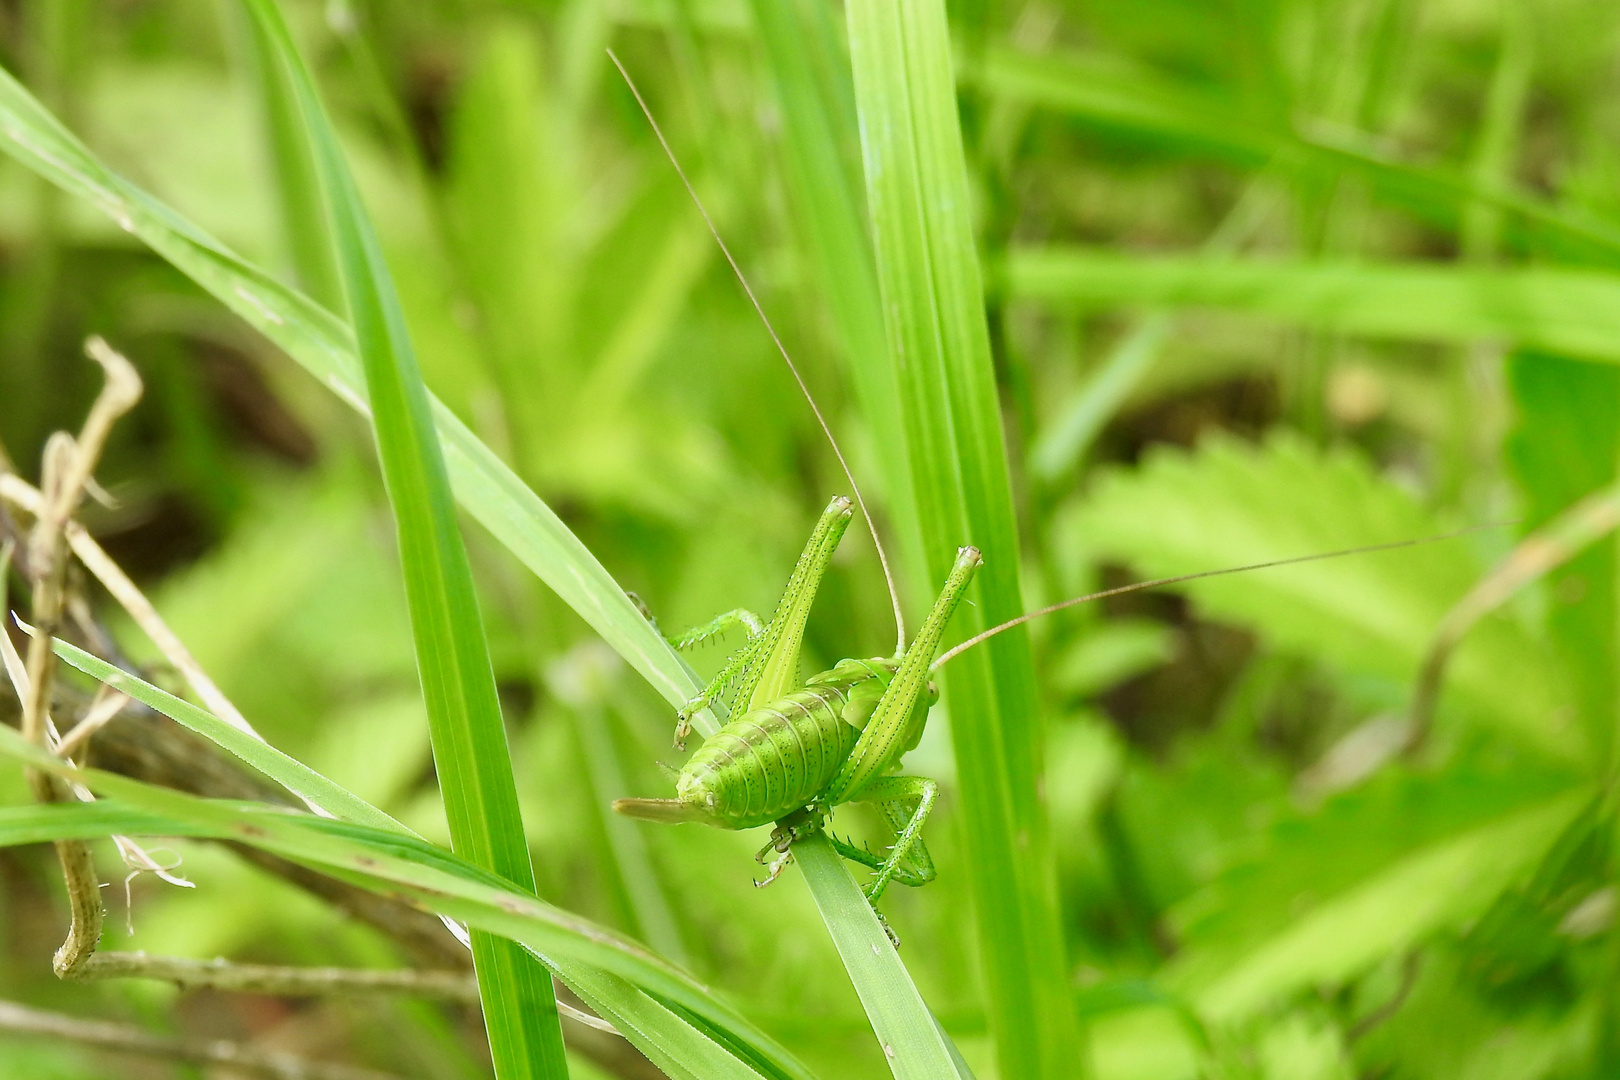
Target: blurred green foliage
1378 240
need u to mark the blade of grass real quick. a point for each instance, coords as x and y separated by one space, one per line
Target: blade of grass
470 752
1096 90
630 982
304 227
928 272
324 346
289 772
1564 311
913 1044
582 682
812 80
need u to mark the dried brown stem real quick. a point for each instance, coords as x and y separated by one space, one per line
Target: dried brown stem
17 491
67 468
1549 547
127 1038
288 981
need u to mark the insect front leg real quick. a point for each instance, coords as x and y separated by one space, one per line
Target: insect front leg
718 625
733 667
905 802
767 667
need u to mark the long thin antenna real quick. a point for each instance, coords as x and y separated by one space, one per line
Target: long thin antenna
888 574
976 639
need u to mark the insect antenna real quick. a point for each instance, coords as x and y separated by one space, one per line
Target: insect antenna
1368 549
804 388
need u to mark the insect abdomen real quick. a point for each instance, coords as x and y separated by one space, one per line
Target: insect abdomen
770 761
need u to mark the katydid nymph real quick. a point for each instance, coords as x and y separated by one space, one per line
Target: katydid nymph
794 751
798 750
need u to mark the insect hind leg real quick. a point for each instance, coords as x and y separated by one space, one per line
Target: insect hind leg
905 802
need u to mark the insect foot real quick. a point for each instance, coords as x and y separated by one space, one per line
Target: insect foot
683 719
777 866
894 938
790 830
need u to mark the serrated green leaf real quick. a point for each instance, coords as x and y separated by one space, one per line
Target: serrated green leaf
1231 504
1442 885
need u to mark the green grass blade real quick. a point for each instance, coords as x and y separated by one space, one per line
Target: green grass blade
1575 312
470 752
1099 91
304 227
289 772
929 275
628 1011
1061 446
912 1042
635 877
324 346
628 980
812 81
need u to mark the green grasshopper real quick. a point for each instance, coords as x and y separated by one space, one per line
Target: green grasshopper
795 751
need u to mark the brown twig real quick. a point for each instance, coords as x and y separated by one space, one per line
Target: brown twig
288 981
17 491
1549 547
67 468
127 1038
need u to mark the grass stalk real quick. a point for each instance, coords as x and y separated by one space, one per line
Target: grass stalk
470 750
928 271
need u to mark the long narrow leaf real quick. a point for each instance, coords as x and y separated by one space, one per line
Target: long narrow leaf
933 300
324 346
912 1042
812 80
1107 94
1571 312
629 1012
289 772
597 958
470 752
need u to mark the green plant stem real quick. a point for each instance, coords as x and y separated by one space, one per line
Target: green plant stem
929 277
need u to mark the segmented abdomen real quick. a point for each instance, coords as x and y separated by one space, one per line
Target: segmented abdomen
772 760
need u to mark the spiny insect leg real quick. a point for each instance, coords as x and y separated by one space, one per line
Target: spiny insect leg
893 795
884 738
920 873
718 625
734 666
